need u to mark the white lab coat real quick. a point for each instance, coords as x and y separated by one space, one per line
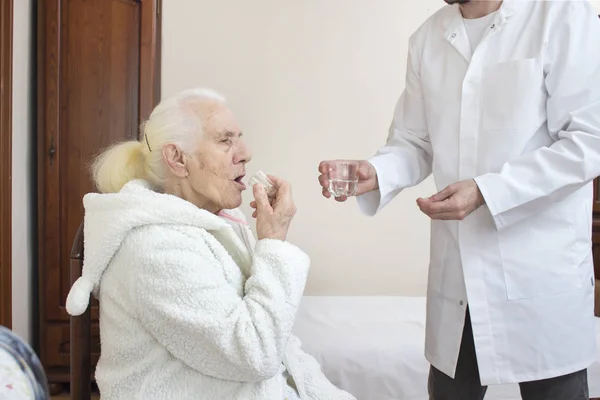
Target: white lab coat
521 115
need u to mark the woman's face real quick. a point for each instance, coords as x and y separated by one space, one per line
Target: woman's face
215 169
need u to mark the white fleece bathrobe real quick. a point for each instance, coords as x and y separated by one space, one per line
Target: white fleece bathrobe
186 311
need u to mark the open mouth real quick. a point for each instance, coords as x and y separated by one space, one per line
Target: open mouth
238 180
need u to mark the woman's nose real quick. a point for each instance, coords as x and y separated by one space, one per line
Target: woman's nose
243 154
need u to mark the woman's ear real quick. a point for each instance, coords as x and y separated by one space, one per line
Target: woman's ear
176 160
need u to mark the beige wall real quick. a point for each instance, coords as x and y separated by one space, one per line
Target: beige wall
312 80
22 161
320 77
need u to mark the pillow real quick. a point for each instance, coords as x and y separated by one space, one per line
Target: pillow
21 374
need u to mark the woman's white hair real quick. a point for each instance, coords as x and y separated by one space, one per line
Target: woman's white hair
174 120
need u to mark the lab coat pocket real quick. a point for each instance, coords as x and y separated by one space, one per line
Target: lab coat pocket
553 257
510 94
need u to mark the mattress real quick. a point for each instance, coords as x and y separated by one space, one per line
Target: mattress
373 347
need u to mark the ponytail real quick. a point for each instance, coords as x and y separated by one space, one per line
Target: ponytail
119 164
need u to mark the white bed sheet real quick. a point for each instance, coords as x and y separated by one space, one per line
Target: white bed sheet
373 347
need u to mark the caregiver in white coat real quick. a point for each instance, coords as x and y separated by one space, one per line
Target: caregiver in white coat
502 105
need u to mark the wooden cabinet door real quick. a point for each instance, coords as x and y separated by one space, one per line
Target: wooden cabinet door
98 78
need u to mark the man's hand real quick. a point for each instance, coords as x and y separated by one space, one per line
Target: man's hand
367 179
454 202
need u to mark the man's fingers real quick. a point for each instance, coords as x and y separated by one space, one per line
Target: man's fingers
430 207
445 217
448 209
444 194
327 195
324 167
453 216
253 204
324 181
364 170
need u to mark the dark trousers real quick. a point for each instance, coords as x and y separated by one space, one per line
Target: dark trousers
467 386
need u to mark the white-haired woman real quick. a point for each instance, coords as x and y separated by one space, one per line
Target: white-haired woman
190 306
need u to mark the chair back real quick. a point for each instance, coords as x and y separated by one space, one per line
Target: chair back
81 357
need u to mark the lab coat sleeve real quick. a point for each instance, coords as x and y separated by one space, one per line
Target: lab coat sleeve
536 180
405 159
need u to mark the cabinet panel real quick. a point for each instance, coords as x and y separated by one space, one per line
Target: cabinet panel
58 345
97 86
98 77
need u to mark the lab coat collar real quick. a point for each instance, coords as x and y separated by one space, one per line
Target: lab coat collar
506 11
456 34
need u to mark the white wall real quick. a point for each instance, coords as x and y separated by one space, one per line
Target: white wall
22 169
326 90
312 80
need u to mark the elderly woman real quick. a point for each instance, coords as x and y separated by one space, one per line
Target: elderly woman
190 306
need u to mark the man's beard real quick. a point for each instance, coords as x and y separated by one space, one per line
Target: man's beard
457 1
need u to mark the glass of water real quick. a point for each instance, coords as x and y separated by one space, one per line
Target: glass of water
343 178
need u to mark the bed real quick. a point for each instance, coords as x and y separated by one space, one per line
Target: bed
373 347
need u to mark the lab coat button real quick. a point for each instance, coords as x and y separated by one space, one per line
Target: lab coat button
493 26
461 303
453 35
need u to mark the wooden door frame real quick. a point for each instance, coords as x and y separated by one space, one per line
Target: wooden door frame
6 60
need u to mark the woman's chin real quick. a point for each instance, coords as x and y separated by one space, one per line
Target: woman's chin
233 202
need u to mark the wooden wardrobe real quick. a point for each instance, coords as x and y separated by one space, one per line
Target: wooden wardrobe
98 76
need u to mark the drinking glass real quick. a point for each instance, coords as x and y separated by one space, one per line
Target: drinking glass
343 178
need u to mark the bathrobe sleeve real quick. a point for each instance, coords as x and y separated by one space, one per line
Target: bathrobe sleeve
314 381
187 304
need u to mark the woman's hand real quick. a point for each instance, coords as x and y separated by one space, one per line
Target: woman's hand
273 220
